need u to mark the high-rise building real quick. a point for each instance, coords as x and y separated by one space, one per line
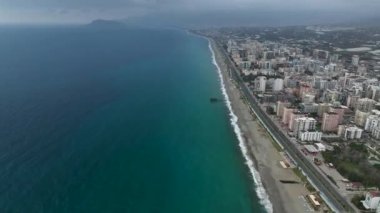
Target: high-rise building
350 132
332 95
340 111
309 107
303 124
376 133
352 101
286 114
330 122
322 108
293 116
260 83
267 65
373 92
319 82
280 107
372 122
361 117
365 104
278 84
355 60
321 54
334 58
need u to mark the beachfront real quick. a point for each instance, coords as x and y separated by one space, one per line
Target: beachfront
283 197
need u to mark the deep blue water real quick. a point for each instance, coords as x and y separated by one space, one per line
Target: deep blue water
115 120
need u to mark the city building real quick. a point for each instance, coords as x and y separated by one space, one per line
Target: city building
372 200
348 132
304 88
304 124
330 122
340 111
278 84
355 60
361 117
365 104
376 133
293 116
331 95
309 107
320 147
310 136
320 83
280 108
286 114
321 54
308 98
352 101
260 83
372 122
322 108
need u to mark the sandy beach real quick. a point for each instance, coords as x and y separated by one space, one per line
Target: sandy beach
284 197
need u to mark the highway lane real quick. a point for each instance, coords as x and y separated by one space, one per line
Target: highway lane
323 185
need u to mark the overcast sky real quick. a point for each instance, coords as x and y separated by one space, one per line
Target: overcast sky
86 10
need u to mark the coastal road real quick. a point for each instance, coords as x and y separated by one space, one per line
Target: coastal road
340 203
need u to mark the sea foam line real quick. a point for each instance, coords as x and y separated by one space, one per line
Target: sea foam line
260 190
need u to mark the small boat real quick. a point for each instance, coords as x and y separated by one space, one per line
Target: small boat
213 100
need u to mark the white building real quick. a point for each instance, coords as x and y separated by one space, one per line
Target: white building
278 84
376 133
372 200
372 122
310 136
350 132
320 147
355 60
260 83
304 124
231 45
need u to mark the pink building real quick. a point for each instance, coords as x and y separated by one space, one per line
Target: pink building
286 114
280 107
340 111
330 122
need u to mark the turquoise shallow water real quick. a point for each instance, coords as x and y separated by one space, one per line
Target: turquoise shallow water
115 120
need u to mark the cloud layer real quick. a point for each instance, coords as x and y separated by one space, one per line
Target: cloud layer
85 10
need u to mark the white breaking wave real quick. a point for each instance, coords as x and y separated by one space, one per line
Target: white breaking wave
260 190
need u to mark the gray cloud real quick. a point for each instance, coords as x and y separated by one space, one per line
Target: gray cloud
85 10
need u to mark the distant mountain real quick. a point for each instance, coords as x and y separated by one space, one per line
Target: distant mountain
101 23
245 17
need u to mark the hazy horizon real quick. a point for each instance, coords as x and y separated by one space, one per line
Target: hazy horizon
187 12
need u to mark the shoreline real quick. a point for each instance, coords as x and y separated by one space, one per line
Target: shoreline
258 149
260 189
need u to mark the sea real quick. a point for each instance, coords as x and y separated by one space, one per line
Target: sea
117 119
